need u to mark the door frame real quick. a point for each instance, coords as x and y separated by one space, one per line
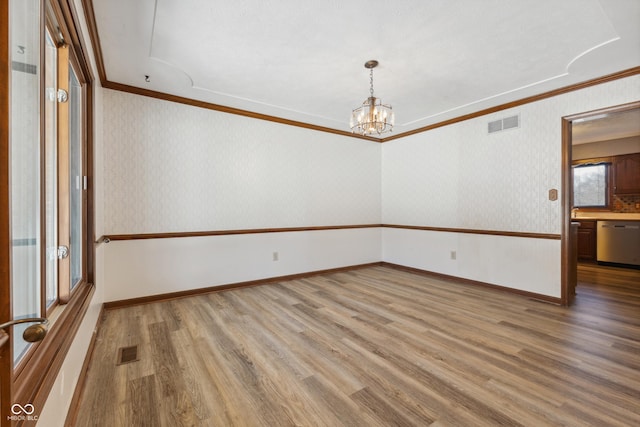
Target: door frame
567 191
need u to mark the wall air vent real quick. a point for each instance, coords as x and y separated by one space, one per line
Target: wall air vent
495 126
511 122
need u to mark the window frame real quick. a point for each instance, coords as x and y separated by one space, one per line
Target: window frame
34 375
608 162
84 178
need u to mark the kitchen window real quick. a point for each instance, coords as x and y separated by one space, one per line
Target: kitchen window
591 185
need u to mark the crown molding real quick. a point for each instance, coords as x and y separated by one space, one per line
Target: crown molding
230 110
534 98
106 83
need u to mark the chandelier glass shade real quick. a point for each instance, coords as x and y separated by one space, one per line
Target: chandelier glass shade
372 116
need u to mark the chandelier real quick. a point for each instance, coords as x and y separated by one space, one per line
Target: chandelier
372 116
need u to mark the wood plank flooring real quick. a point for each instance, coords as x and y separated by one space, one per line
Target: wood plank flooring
373 347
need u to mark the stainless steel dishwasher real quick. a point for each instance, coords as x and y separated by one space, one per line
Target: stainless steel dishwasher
619 242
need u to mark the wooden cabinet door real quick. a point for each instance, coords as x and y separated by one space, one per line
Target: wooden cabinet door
587 241
626 174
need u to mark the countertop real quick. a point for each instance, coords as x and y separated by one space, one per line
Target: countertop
604 216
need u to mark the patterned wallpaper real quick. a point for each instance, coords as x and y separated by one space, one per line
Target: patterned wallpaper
460 176
171 167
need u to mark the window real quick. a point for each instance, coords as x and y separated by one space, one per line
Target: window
25 167
591 185
61 164
77 181
48 264
50 111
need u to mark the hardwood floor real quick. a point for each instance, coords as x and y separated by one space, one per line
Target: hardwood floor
373 347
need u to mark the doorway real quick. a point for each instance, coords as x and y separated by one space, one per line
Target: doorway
600 129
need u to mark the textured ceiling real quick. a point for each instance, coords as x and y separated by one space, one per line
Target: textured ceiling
303 60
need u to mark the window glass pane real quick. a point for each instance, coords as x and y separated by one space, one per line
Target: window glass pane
75 177
51 169
25 165
590 186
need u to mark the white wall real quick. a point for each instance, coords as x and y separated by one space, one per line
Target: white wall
459 176
516 262
171 167
175 168
148 267
613 147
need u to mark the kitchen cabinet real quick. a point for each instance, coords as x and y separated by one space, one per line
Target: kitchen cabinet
626 174
587 240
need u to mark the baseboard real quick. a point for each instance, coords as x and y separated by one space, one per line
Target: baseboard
191 292
527 294
618 265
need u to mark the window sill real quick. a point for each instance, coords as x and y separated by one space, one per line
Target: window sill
37 372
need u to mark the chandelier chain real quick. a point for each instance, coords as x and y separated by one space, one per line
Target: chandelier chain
371 81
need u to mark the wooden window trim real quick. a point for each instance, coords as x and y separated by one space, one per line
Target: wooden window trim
64 209
73 64
607 159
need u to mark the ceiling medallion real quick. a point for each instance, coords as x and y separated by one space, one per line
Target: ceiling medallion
372 116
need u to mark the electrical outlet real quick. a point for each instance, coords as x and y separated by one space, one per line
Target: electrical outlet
275 256
453 254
